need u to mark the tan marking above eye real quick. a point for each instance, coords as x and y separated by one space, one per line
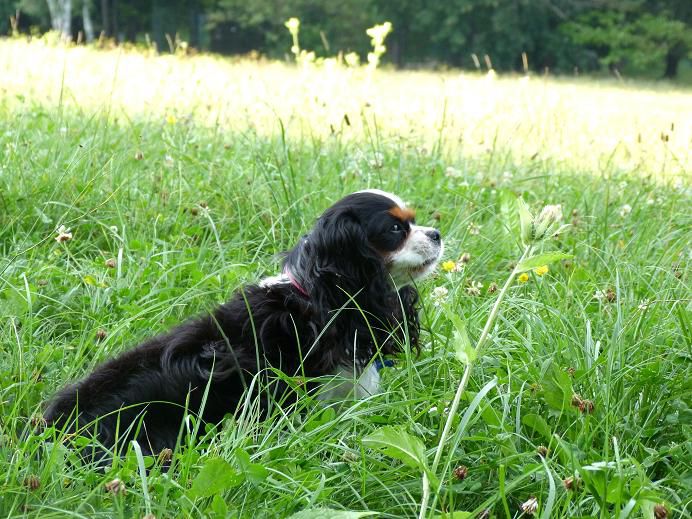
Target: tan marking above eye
404 215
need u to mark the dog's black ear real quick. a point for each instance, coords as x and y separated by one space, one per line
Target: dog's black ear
341 247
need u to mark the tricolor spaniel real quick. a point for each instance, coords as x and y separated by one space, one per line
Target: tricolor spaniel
344 298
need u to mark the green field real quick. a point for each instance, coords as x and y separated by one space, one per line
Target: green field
181 178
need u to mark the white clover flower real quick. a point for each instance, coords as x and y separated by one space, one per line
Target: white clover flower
168 161
439 294
377 161
625 210
64 234
474 288
530 506
452 172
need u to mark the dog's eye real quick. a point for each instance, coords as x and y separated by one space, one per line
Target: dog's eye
396 228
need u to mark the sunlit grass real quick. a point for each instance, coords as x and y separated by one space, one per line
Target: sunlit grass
179 179
591 126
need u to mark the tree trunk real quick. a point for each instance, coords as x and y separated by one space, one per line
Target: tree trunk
105 18
61 17
673 57
88 24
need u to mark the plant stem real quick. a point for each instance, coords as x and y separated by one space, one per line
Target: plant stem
464 382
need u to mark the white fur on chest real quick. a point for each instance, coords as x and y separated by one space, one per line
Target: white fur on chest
347 383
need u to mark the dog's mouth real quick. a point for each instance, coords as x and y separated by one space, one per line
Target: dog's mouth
423 266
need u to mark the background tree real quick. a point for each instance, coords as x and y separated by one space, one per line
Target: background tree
642 35
636 37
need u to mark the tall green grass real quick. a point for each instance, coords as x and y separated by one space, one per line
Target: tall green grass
181 179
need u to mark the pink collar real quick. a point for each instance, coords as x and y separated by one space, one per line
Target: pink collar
297 285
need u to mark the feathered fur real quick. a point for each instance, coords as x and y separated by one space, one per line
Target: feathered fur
351 314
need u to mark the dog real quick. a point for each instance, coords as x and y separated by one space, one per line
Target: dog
345 297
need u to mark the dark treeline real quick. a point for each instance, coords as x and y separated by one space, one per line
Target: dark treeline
638 37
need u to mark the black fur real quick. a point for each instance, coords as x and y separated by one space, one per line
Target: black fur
351 305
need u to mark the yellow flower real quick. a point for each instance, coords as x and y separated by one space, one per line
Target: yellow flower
523 278
543 269
449 266
170 119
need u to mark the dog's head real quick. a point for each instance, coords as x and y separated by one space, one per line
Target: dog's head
363 238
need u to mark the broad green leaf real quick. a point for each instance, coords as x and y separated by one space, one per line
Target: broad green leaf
216 476
397 443
538 424
218 506
525 220
463 349
557 389
90 280
540 260
254 472
329 513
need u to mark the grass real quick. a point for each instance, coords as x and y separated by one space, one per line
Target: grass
192 174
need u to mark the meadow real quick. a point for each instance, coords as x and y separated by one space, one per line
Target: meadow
180 178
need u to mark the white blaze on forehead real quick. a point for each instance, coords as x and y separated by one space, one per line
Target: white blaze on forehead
398 201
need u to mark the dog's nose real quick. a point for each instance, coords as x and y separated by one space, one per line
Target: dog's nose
434 235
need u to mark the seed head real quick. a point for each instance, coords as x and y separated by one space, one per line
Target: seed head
542 451
111 263
610 295
492 288
587 407
139 155
101 334
115 487
571 483
32 482
460 472
660 511
465 258
577 400
547 223
165 455
530 506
